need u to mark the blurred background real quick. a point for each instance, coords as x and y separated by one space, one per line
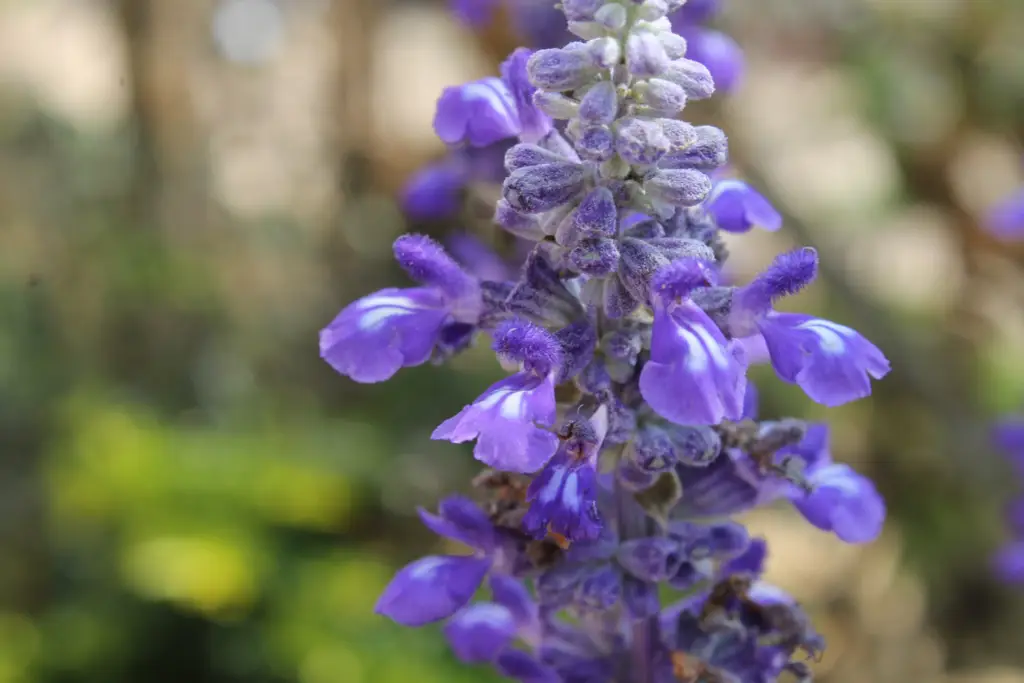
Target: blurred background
190 190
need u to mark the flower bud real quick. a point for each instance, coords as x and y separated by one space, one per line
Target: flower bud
561 69
595 256
645 55
665 98
692 76
597 214
681 188
604 52
612 16
524 155
536 189
556 105
596 143
709 150
600 104
640 141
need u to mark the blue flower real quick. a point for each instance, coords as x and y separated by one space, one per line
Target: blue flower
372 338
694 375
435 587
830 362
834 497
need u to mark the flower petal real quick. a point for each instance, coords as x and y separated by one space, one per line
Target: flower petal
432 588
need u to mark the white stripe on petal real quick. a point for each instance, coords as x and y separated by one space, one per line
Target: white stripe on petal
830 335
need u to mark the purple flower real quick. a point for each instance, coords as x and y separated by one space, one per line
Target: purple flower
372 338
478 113
434 191
563 496
435 587
491 109
1006 219
830 362
511 420
481 632
839 499
694 375
737 207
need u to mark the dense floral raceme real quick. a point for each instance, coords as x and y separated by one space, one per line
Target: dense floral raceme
626 438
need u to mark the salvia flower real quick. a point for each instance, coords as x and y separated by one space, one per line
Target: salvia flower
626 435
829 361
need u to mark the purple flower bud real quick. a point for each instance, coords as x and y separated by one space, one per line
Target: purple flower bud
577 341
525 155
478 113
693 77
694 375
432 588
644 229
600 105
581 10
681 135
605 52
789 273
664 98
518 340
556 105
595 256
675 248
597 214
534 123
618 301
674 44
519 224
645 55
709 151
504 420
678 187
561 69
611 16
640 141
596 143
537 189
638 264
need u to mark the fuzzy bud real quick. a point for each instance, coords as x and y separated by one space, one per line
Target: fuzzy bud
561 69
600 105
595 256
645 55
640 141
678 187
710 150
537 189
691 76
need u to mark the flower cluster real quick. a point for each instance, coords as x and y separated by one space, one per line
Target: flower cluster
626 436
476 156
